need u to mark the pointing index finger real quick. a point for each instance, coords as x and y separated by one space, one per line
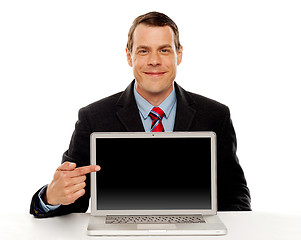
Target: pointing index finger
85 170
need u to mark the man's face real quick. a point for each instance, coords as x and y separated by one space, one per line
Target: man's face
154 60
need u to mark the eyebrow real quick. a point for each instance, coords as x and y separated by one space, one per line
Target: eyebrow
142 46
165 46
148 47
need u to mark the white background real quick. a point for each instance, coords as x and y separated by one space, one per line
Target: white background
58 56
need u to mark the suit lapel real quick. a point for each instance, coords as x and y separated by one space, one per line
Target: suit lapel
185 113
128 113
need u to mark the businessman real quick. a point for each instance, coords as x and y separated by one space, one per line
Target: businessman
153 101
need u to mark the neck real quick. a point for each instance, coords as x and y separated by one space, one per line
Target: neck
155 98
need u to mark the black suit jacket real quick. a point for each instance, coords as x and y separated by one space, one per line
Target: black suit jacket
119 113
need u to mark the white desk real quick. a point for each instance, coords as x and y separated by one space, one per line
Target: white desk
241 226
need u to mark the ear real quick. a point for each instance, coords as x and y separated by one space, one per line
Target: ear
179 56
129 57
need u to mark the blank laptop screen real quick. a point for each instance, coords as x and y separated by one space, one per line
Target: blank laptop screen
153 173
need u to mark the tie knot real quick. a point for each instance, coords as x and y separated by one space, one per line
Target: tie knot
156 112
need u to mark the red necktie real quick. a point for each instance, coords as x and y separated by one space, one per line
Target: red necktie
157 114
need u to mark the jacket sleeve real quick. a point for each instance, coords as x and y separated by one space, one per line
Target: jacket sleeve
79 153
233 193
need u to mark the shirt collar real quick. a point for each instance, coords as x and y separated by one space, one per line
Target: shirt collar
145 107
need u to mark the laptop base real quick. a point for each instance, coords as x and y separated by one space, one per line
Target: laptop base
212 226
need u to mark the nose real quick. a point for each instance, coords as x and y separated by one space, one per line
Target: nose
154 59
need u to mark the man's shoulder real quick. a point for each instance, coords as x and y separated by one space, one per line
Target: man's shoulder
104 104
200 102
112 102
205 102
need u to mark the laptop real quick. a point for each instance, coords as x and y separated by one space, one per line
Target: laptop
154 184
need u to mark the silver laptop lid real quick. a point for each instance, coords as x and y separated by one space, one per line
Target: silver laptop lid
153 173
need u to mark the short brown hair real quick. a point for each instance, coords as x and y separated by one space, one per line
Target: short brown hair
154 19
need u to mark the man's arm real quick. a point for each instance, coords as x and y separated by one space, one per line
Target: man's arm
78 153
233 193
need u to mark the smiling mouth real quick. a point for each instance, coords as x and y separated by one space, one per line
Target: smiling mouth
154 74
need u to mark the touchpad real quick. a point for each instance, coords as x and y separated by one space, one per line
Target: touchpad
156 226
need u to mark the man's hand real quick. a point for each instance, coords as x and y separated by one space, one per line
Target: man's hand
68 183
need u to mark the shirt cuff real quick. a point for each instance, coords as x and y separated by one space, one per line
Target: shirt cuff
46 207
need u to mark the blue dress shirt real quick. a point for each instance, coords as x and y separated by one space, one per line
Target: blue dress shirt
169 106
46 207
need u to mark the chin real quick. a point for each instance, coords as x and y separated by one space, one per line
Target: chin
158 88
154 85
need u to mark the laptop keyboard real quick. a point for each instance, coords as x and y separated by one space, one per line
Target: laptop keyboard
110 219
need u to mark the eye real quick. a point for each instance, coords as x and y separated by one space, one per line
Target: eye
142 51
165 50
